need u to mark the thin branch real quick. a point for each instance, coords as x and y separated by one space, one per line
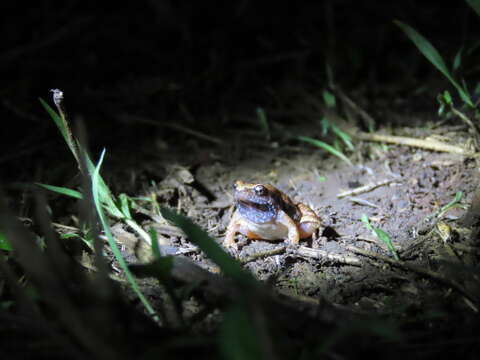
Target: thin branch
470 123
322 254
259 255
428 144
364 188
306 252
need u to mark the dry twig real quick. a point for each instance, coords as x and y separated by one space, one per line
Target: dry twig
307 252
258 255
321 254
428 144
472 125
364 188
360 201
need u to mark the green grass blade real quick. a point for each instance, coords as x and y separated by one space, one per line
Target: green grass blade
262 119
62 190
347 140
4 244
57 119
457 60
329 99
106 228
429 51
199 237
325 124
105 195
326 147
125 202
239 339
475 5
455 203
426 48
61 126
366 222
155 247
458 196
456 200
382 235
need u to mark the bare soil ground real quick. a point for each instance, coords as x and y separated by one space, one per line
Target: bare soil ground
431 290
409 186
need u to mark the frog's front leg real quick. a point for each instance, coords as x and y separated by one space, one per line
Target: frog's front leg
232 229
293 234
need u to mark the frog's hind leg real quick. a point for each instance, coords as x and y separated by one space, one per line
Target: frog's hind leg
309 222
293 234
307 229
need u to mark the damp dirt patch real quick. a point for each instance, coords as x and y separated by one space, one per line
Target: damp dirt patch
401 190
396 253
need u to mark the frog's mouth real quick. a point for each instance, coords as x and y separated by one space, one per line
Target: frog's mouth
258 206
257 212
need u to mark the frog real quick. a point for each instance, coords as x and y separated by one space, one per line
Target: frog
263 212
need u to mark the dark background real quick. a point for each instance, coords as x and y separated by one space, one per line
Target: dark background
217 59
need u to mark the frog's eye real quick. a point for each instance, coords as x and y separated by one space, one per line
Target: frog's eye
260 190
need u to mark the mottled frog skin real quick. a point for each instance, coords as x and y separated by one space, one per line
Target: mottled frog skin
264 212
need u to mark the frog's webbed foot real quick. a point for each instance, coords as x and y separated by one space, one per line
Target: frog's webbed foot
234 252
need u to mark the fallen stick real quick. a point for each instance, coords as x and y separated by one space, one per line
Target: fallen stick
363 202
322 254
428 144
364 188
258 255
306 252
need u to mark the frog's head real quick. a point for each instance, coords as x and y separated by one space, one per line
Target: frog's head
258 203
